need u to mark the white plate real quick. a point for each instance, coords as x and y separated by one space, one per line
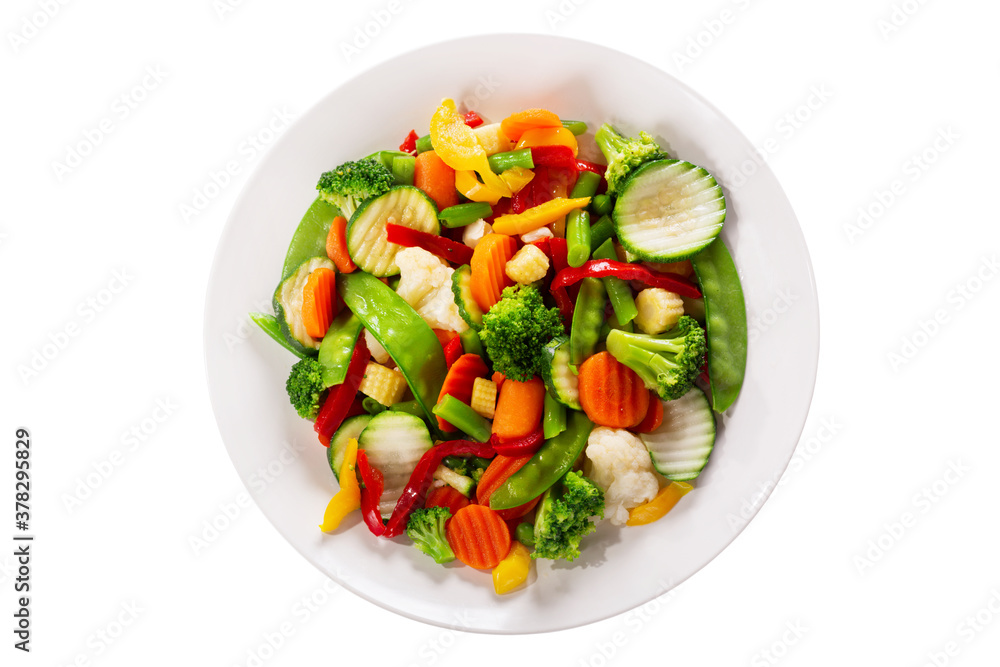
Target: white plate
496 75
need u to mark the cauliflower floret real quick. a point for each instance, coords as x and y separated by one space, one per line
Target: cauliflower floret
425 284
537 235
622 467
475 232
378 352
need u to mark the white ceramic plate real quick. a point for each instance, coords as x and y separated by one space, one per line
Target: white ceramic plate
620 568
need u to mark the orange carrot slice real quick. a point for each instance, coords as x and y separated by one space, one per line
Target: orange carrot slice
447 496
336 245
611 393
317 301
489 263
459 380
436 179
519 408
478 536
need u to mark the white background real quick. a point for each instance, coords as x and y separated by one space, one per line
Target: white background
873 550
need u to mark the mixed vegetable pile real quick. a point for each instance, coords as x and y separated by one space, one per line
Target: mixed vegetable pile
502 343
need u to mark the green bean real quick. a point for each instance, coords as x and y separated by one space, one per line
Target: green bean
601 231
726 320
403 167
554 421
588 317
601 205
500 162
578 220
372 406
463 417
577 127
461 215
386 157
424 144
619 291
470 342
525 533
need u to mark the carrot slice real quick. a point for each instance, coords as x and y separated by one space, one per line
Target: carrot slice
489 263
317 301
498 379
459 380
336 245
447 496
519 408
654 415
500 468
444 336
478 536
436 179
611 393
518 123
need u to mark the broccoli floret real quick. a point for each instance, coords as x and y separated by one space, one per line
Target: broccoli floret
305 387
668 362
516 329
624 154
426 529
563 516
353 182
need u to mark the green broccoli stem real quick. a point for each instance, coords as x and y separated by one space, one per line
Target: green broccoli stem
610 141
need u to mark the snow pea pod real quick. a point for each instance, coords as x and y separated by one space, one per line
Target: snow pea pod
269 325
401 331
337 347
726 322
588 318
555 458
309 239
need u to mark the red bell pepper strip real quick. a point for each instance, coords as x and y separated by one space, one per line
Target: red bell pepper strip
523 199
602 268
420 479
557 157
473 119
446 249
544 246
340 398
584 165
452 351
523 446
541 188
371 493
409 144
559 256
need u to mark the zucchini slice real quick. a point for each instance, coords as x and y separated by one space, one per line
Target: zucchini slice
351 428
366 236
559 378
288 305
461 287
394 442
668 211
680 447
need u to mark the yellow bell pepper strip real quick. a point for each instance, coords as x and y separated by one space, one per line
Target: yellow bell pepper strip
517 177
515 224
513 570
658 507
348 498
456 144
467 183
549 136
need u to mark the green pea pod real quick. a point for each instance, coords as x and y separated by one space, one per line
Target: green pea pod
337 347
309 239
555 458
401 331
588 318
269 325
726 322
